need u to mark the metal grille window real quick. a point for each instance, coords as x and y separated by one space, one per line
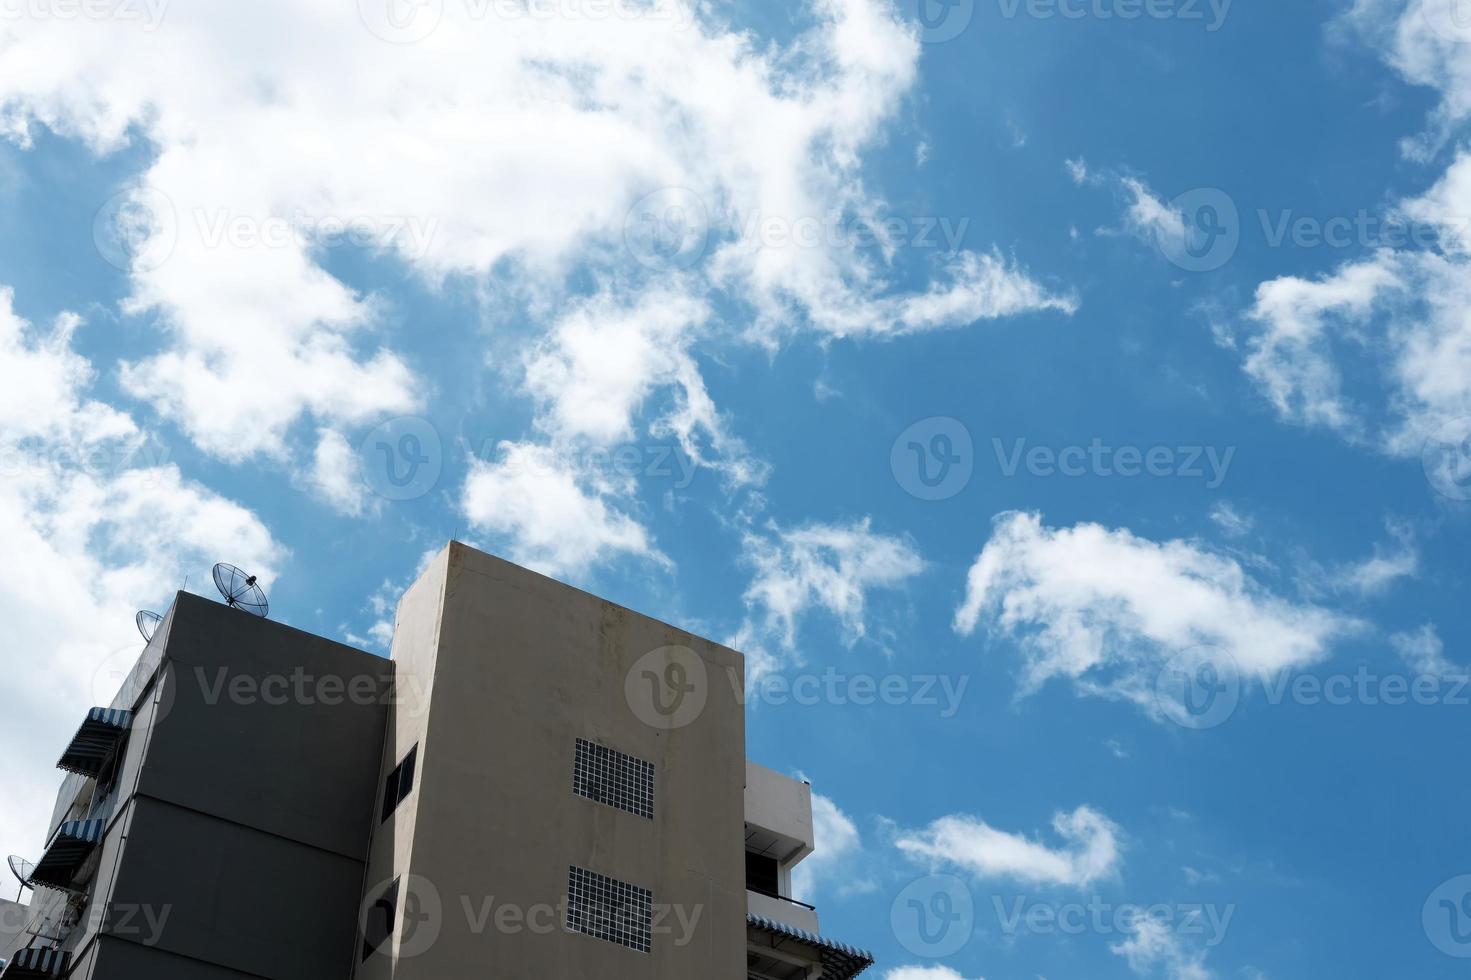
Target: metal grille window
608 776
604 908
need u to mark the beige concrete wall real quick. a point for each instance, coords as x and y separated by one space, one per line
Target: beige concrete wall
521 667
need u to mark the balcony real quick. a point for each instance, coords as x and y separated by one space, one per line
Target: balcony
787 911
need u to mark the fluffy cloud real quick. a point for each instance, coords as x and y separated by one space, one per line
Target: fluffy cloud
284 130
1107 609
1423 651
1394 319
553 513
829 567
1154 947
924 973
101 526
1090 849
837 843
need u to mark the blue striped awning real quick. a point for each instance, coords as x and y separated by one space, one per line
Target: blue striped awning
96 740
839 960
36 962
73 843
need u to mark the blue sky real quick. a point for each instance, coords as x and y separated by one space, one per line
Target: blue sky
1177 292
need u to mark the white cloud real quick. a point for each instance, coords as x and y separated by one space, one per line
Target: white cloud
831 567
603 360
1230 520
1090 849
924 973
99 527
1151 218
337 473
837 844
1423 651
1107 609
554 516
1394 320
1154 947
1388 565
273 126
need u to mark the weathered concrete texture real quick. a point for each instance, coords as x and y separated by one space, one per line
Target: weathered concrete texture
500 671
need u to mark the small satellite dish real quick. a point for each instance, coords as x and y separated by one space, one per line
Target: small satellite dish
240 590
147 624
21 868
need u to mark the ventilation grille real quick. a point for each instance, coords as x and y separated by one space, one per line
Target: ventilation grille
604 908
607 776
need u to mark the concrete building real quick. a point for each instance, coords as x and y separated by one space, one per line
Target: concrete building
538 783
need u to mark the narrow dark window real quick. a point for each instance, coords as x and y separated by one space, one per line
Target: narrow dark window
400 783
379 921
763 874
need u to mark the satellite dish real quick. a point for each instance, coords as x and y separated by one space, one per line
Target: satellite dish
22 870
240 590
147 624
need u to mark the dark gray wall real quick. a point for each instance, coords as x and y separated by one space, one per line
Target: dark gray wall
248 799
